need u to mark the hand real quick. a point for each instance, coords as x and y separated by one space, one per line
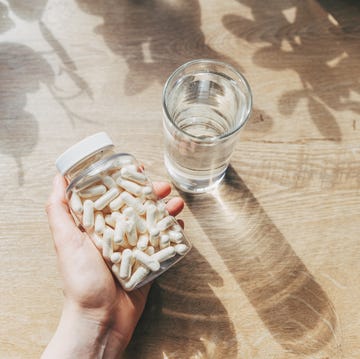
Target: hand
93 298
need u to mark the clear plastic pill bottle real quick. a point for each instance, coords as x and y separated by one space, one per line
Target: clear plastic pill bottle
112 198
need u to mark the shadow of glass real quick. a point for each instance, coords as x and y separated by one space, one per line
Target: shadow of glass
154 37
183 318
287 298
302 36
22 72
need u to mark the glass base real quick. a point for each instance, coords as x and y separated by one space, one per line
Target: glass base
193 183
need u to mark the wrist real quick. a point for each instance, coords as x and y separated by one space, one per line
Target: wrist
78 335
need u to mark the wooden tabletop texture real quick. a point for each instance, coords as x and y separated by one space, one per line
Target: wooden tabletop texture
274 272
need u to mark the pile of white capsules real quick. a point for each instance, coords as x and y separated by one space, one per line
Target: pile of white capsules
128 224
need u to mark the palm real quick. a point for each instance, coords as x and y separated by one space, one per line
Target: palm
88 282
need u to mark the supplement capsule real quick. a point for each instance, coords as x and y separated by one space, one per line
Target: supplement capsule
133 175
161 210
181 249
150 250
109 182
151 215
99 223
137 277
139 221
147 191
131 233
97 240
165 223
75 203
107 245
116 258
119 233
129 186
146 260
125 266
106 198
142 242
154 237
88 214
164 254
164 241
175 236
117 203
93 191
133 202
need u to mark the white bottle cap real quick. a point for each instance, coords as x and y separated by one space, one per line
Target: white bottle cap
82 150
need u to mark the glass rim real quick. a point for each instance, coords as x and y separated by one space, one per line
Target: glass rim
227 66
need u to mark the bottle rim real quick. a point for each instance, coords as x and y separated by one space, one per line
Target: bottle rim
82 150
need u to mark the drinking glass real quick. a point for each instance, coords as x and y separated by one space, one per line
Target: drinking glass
205 104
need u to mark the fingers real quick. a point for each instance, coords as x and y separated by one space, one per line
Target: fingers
60 220
175 206
162 189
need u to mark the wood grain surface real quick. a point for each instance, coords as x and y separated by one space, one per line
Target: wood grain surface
274 272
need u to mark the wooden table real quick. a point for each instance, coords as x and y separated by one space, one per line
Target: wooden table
274 272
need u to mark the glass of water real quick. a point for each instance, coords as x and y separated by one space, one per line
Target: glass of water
205 104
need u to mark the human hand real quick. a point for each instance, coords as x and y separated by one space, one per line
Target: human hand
101 311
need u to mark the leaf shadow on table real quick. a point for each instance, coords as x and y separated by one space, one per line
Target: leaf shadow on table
183 318
328 73
22 72
292 305
154 37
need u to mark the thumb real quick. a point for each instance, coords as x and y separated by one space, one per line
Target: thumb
62 225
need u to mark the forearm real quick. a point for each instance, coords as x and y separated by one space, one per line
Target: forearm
79 336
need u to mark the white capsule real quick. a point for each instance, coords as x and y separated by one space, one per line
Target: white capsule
129 186
99 223
147 191
142 242
133 202
146 260
164 241
97 241
116 175
139 221
150 250
75 203
133 175
93 191
165 223
109 220
125 266
161 210
151 215
175 236
116 257
117 203
164 254
154 237
148 202
131 233
89 182
176 227
138 276
106 198
109 182
119 233
124 161
181 248
107 242
88 214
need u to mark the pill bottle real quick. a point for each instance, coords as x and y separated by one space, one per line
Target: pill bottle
112 198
